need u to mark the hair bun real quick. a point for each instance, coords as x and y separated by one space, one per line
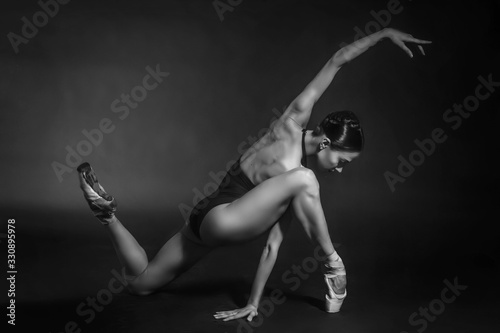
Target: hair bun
343 129
344 118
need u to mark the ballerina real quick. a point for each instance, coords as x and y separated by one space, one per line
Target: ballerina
268 185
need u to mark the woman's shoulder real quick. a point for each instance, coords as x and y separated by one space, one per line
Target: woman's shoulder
286 128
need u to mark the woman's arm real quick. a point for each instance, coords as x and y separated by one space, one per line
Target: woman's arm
266 264
300 109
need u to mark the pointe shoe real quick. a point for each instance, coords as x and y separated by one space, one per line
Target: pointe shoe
333 301
102 204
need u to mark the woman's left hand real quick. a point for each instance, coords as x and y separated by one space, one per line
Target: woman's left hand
250 311
400 38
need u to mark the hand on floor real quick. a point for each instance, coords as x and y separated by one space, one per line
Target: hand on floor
249 311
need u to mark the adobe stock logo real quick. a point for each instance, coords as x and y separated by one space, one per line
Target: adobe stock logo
224 6
89 308
452 116
95 136
381 19
293 276
436 307
200 199
29 30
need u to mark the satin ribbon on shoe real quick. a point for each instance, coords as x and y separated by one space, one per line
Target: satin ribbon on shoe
103 205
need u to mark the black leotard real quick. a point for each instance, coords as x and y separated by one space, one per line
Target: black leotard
234 185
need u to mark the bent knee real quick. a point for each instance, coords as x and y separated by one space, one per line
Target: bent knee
305 180
139 292
138 289
137 285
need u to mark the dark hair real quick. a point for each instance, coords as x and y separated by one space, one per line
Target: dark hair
343 130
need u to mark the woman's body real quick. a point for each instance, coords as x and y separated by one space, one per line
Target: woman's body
281 186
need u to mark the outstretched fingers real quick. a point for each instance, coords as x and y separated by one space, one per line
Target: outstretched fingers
236 314
404 47
228 315
411 39
401 38
401 44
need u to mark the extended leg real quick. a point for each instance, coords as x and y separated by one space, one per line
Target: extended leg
130 254
177 255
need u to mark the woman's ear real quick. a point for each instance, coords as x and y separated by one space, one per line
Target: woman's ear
324 144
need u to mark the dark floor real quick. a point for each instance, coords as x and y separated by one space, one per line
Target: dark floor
61 264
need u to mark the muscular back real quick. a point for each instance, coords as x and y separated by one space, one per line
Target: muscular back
278 151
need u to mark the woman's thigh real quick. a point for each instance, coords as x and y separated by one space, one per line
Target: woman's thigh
255 212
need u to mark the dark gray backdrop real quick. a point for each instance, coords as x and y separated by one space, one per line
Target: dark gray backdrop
225 79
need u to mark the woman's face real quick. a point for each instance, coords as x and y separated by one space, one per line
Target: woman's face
334 160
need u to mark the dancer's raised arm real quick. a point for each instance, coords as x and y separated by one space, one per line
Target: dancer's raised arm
300 109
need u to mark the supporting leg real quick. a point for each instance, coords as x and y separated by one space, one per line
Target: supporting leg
258 210
308 209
